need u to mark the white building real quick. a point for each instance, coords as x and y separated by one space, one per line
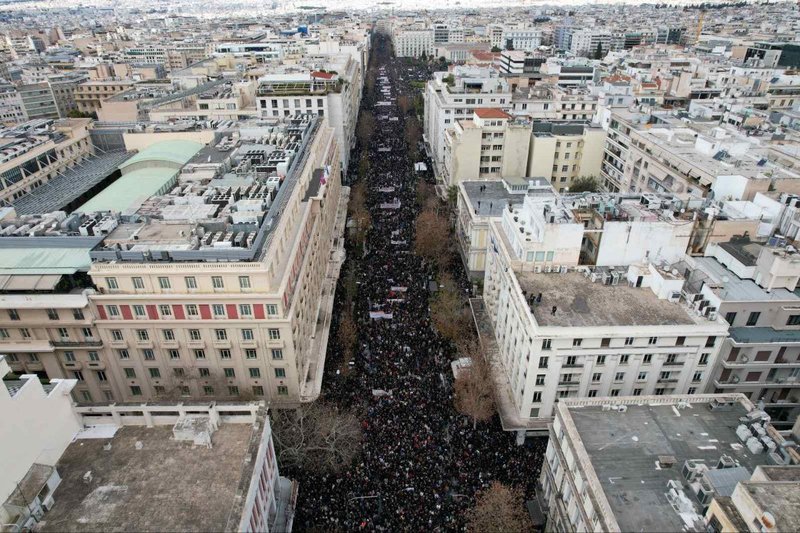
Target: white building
413 42
526 39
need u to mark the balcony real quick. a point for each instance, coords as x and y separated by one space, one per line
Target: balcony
74 344
572 383
73 365
667 380
96 365
673 363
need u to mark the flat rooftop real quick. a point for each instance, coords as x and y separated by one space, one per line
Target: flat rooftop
582 303
166 485
624 449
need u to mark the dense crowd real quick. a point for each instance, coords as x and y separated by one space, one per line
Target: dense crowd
420 462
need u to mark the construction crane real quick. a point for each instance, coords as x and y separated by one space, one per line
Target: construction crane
700 21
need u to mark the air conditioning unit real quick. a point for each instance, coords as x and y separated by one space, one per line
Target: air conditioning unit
735 379
564 269
537 269
693 469
743 359
705 493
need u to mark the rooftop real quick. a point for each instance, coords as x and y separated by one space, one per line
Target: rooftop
492 112
580 302
730 287
624 450
192 487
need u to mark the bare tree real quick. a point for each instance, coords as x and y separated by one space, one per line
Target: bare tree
474 390
404 103
432 237
359 212
448 313
498 509
316 437
365 127
413 135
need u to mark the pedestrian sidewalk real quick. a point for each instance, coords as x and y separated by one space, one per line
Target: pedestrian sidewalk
310 389
509 414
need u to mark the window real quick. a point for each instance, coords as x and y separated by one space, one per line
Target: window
623 359
572 360
710 342
753 376
191 310
703 359
13 314
280 373
272 309
168 334
165 310
577 342
138 310
229 373
136 390
154 373
652 340
537 397
540 379
254 372
245 309
637 392
680 341
33 358
87 333
691 390
697 377
69 357
592 393
208 390
221 334
179 372
191 282
113 310
225 354
101 376
283 390
277 353
794 320
77 314
138 283
601 359
730 317
546 344
628 341
52 314
204 372
194 334
130 373
123 354
63 333
659 391
648 357
250 353
25 333
111 283
218 309
614 392
164 283
174 354
149 355
216 282
233 390
619 376
642 376
199 354
752 320
244 282
597 377
247 335
543 362
258 390
142 335
93 356
274 334
185 391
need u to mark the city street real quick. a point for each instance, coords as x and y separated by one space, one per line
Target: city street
420 462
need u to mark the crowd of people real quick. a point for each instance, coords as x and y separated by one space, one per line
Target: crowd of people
421 462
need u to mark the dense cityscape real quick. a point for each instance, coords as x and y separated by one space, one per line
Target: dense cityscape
497 266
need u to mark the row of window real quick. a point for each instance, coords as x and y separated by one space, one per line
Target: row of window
189 310
199 353
592 393
220 334
52 314
217 282
629 341
600 360
155 373
208 390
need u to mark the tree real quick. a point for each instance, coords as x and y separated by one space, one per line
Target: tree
404 103
432 237
585 184
598 53
449 315
413 136
359 212
452 196
498 509
474 389
450 80
365 127
316 437
363 165
496 49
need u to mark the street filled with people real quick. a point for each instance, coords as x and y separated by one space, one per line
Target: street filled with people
420 462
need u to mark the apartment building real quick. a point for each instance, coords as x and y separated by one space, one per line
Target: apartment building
563 332
752 285
490 145
90 93
551 102
688 462
12 110
525 39
190 304
35 152
586 41
565 152
413 42
449 99
620 123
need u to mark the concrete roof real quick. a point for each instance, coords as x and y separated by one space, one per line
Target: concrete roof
174 151
624 449
736 289
763 335
167 485
582 303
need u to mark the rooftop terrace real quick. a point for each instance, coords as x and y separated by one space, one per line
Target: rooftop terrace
581 303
